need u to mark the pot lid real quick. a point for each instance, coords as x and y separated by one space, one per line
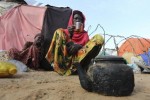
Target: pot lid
110 58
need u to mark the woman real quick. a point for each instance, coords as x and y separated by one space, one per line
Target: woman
31 54
72 45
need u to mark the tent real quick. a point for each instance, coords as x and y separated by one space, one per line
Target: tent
20 24
136 51
23 22
135 45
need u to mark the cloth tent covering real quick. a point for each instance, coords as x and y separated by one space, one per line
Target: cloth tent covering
55 17
135 45
20 24
23 22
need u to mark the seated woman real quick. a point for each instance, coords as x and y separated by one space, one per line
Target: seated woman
73 45
31 54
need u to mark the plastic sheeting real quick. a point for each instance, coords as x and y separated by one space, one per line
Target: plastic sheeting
19 25
146 58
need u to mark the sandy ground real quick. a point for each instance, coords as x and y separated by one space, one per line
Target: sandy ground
39 85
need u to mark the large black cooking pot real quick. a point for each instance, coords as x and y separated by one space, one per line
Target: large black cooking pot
111 76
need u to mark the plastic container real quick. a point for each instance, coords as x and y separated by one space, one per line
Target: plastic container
7 69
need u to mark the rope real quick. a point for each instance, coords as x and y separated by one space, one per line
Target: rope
89 28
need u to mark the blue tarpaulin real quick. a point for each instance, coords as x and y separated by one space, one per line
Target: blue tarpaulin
146 57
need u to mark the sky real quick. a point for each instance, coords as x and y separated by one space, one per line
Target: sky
117 17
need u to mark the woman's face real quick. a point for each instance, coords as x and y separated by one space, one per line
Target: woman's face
77 18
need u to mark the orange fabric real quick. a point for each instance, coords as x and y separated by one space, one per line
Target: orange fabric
135 45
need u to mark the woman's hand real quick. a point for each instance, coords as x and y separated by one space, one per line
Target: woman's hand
71 30
73 48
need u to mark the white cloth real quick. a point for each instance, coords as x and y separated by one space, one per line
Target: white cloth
21 67
5 6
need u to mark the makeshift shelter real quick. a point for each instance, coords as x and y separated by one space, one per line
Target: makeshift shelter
23 22
136 51
20 24
135 45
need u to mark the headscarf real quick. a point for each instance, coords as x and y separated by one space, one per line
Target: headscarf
78 37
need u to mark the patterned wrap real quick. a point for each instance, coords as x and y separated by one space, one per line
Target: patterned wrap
58 57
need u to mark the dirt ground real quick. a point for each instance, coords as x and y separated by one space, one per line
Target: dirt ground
39 85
